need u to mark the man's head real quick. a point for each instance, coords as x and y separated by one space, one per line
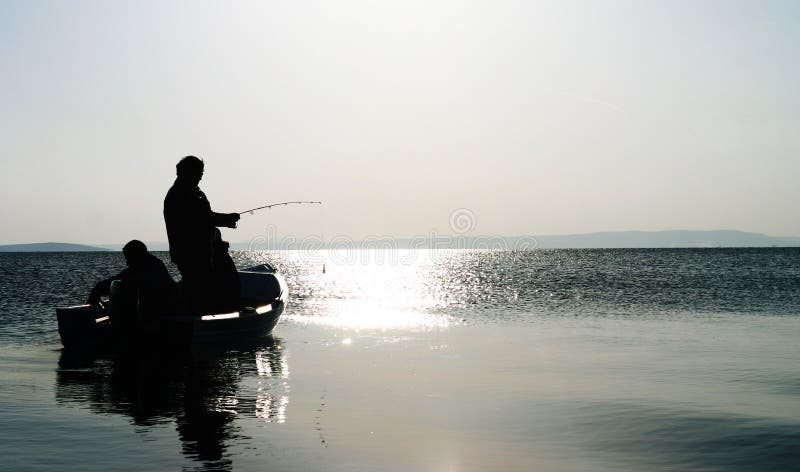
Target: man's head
134 252
190 168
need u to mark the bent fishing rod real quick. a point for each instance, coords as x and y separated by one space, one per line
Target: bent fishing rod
278 204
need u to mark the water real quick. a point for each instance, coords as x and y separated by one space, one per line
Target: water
429 360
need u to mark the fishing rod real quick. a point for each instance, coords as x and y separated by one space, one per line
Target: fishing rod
277 204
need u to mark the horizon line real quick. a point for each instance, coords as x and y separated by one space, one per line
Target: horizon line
434 237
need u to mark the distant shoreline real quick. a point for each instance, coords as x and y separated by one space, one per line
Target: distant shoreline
607 240
52 247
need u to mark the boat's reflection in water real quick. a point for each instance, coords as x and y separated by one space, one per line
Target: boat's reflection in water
202 391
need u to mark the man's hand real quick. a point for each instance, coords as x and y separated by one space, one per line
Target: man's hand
233 218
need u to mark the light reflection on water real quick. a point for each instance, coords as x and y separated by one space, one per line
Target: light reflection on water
375 291
273 376
430 289
203 392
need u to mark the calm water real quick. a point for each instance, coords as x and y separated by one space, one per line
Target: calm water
429 360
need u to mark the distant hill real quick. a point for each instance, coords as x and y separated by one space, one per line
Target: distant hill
151 246
666 239
50 247
621 239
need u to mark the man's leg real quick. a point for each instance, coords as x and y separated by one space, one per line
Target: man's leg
196 286
226 287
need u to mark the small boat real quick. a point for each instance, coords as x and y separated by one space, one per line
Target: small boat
263 297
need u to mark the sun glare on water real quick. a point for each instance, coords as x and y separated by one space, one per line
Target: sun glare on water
370 293
366 316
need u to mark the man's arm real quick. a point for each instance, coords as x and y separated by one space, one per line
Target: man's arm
103 288
227 220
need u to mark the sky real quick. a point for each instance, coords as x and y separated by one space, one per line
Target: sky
527 117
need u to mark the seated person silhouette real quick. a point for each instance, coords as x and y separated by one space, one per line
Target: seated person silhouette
145 273
190 229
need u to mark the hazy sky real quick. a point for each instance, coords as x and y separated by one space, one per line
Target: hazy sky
539 117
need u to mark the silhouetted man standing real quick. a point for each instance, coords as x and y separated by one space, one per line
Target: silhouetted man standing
190 230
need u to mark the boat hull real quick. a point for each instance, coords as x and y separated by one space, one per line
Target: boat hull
222 327
92 327
87 327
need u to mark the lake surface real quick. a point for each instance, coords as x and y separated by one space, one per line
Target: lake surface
668 359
